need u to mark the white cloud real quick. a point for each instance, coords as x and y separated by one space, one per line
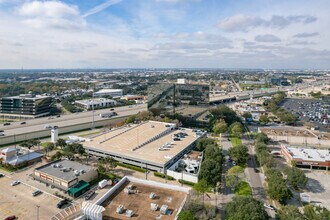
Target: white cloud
53 14
267 38
244 23
306 34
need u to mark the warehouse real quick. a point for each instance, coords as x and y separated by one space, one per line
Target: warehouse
152 145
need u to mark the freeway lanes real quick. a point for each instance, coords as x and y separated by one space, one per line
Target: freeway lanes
35 128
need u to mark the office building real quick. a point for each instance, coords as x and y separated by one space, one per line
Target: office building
98 103
25 106
114 93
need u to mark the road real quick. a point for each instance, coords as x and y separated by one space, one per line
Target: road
38 125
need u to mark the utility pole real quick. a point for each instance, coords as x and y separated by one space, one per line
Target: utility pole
93 109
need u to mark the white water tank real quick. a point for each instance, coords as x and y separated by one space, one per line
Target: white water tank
54 134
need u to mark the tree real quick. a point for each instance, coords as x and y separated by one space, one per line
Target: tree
278 190
314 212
225 113
262 138
247 115
144 116
201 187
296 177
49 147
234 176
203 143
236 129
61 143
245 208
108 162
264 119
290 212
186 215
210 172
239 154
220 127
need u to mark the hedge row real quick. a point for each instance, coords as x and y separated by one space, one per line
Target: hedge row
132 167
161 175
186 182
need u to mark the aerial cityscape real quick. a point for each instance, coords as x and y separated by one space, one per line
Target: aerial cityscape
164 110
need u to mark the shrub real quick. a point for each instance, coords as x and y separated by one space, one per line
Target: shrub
161 175
186 182
132 167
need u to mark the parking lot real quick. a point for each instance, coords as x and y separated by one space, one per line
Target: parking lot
313 111
18 200
318 187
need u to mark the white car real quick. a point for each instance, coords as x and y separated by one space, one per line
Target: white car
268 206
14 183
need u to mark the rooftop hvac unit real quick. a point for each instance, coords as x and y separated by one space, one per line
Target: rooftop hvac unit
129 213
120 209
153 207
163 209
76 172
152 196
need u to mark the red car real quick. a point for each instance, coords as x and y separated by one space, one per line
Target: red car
11 217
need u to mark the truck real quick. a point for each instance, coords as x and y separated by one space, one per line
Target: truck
108 114
103 183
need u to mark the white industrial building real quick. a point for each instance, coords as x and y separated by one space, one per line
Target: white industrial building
98 103
115 93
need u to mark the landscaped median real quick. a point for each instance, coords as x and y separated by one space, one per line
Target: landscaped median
243 189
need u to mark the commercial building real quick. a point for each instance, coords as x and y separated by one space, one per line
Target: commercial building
152 145
66 174
25 106
307 157
132 198
98 103
137 98
168 96
114 93
19 157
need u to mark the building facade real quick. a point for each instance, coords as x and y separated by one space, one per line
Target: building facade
109 92
98 103
25 106
64 174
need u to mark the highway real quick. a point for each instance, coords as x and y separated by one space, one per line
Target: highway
259 92
65 121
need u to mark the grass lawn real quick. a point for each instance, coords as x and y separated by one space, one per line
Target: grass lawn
235 141
243 189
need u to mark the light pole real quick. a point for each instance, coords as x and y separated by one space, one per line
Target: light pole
38 206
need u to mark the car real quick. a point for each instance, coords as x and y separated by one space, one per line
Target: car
13 217
23 123
115 181
2 175
268 206
176 139
2 131
5 124
14 183
58 116
256 170
35 193
2 134
112 109
234 163
62 203
89 195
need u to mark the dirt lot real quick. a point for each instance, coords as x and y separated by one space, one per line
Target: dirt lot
140 202
18 200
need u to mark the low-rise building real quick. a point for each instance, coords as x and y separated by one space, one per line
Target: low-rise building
307 157
115 93
19 157
137 98
65 174
98 103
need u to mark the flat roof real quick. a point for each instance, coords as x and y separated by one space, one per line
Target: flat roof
57 169
309 154
127 139
94 101
140 202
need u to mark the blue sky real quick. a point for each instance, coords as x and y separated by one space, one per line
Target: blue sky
165 33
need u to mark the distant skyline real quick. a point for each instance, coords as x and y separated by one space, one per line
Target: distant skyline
268 34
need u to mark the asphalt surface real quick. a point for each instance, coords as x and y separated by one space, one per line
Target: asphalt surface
67 120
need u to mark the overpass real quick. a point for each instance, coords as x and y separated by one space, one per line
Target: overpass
35 128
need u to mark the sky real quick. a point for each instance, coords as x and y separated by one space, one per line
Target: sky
270 34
